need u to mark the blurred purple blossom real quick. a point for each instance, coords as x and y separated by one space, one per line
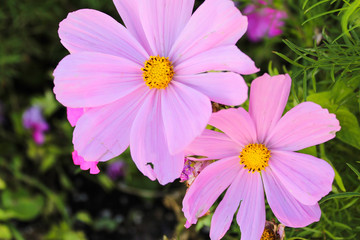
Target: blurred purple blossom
116 169
264 21
34 120
85 165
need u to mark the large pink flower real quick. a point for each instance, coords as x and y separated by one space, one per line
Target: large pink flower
257 153
149 85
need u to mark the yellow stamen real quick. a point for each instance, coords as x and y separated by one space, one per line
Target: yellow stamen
158 72
255 157
268 234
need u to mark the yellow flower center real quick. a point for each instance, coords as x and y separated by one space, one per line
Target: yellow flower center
268 234
255 157
158 72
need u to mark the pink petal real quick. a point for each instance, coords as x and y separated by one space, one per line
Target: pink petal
225 211
73 115
208 186
103 133
85 165
129 12
148 143
94 79
305 177
162 21
214 145
215 23
286 208
223 87
185 114
94 31
268 98
236 123
224 58
307 124
251 215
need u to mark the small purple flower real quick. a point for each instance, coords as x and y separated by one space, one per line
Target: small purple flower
116 170
264 21
192 169
34 120
85 165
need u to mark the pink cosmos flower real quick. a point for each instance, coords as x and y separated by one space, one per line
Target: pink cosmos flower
257 153
85 165
264 21
149 85
34 120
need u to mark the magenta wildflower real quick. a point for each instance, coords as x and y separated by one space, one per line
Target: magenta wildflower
85 165
192 169
257 153
149 85
264 21
34 120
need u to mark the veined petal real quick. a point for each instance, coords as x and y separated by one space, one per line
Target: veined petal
268 98
214 145
225 211
149 146
103 133
73 115
130 14
93 31
251 215
305 125
286 208
223 87
236 123
208 186
90 79
223 58
162 21
307 178
185 114
215 23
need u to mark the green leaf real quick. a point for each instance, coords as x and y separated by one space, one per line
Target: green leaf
5 233
339 195
84 217
20 205
322 98
2 184
354 169
350 130
3 215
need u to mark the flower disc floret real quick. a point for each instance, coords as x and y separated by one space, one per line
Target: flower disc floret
268 234
255 157
158 72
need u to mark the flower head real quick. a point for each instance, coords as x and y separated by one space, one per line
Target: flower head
257 153
85 165
264 21
34 120
150 84
273 231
